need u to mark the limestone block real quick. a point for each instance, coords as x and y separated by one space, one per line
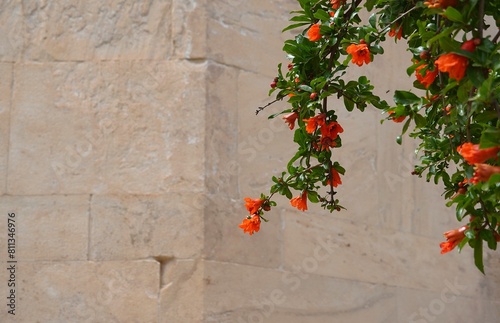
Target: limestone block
136 227
446 305
189 28
47 227
5 95
11 30
76 31
377 255
221 162
254 294
183 291
225 241
247 33
86 292
134 127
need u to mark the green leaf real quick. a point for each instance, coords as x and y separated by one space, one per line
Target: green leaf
420 121
306 88
478 254
349 104
453 14
301 18
405 126
293 26
405 98
444 33
322 15
373 20
490 138
312 196
369 4
476 75
376 49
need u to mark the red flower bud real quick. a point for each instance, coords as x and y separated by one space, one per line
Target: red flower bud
425 54
470 45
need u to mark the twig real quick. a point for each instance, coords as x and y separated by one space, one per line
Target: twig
398 18
262 108
480 26
495 39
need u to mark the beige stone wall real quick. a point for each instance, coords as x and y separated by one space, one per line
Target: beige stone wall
127 142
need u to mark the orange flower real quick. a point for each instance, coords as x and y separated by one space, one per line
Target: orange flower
483 172
253 206
453 64
453 238
335 177
329 132
251 224
290 119
473 155
397 119
300 202
314 122
440 3
337 3
314 33
360 53
393 32
428 78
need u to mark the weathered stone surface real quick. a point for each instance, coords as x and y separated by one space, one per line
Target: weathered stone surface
11 30
182 293
116 127
47 227
5 101
85 30
253 294
128 134
446 305
137 227
221 162
86 292
375 255
247 34
189 28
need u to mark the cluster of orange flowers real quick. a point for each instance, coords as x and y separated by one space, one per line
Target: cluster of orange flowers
251 223
482 172
453 64
329 131
476 156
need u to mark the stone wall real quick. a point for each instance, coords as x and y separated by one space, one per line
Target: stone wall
128 140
